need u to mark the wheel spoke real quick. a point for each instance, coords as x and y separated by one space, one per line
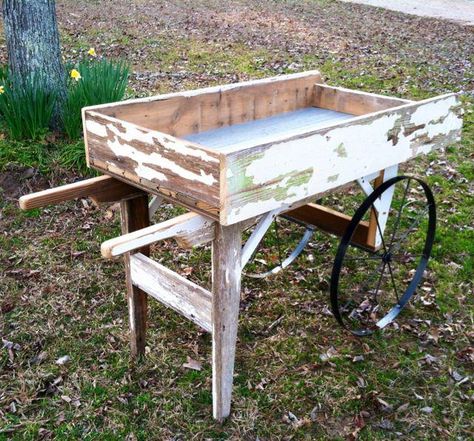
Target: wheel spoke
411 228
380 281
399 258
393 281
375 257
372 276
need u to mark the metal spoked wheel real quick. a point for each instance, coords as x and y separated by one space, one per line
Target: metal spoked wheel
369 288
282 244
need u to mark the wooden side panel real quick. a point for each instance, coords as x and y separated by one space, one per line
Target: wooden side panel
265 177
354 102
172 290
159 162
199 110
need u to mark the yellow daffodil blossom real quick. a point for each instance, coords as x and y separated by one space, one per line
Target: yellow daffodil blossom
75 75
2 89
91 52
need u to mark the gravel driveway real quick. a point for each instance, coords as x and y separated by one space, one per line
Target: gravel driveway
460 11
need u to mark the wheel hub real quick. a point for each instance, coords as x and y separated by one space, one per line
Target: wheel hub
387 257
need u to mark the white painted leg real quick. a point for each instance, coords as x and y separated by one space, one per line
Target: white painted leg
382 204
154 205
226 273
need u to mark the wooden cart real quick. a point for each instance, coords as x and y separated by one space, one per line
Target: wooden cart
241 155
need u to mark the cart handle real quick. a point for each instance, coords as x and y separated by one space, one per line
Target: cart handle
190 229
100 189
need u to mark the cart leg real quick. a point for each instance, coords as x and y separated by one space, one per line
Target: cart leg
134 213
226 273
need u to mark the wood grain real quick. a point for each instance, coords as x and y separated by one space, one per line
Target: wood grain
181 113
167 162
226 273
134 216
189 229
101 189
173 290
354 102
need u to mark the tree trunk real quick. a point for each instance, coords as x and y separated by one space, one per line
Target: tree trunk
33 44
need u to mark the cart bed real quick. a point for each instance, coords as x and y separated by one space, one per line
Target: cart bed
234 152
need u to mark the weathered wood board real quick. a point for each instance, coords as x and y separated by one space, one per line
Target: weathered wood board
265 177
172 290
235 152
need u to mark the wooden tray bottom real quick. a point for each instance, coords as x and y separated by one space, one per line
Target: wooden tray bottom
266 130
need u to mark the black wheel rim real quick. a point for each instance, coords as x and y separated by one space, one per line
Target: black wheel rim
347 301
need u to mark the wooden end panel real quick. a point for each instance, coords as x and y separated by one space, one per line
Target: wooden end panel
196 111
155 162
278 174
330 221
354 102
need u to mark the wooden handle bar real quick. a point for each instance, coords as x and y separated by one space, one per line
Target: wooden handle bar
101 189
189 229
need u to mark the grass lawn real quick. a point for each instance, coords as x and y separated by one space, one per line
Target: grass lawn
58 297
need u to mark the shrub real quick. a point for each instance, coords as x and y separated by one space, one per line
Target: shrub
26 105
96 82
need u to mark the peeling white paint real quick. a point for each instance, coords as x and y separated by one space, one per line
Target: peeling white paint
131 309
369 150
431 112
134 133
142 159
96 128
149 173
172 290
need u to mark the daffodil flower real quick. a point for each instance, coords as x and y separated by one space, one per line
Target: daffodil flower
75 75
91 52
2 89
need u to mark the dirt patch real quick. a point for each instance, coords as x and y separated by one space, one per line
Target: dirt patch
16 181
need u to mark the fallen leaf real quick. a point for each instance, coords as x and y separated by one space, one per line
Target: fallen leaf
386 425
385 406
61 361
192 364
37 359
403 407
457 376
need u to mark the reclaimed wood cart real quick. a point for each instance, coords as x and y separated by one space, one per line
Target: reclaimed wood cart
242 155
